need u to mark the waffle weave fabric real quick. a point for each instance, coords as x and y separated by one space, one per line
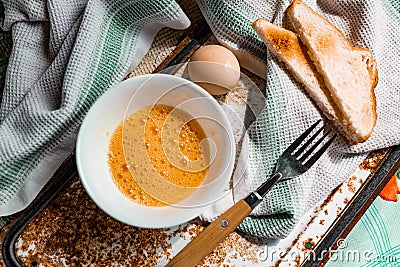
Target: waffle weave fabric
65 55
289 111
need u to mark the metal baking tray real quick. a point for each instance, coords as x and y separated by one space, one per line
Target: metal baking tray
379 167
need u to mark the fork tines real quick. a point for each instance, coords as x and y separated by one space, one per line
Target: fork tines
291 149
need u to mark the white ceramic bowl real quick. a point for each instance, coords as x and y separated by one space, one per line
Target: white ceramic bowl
106 114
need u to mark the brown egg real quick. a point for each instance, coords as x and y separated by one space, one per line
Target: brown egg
214 68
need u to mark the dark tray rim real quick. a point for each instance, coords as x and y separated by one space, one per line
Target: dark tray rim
353 212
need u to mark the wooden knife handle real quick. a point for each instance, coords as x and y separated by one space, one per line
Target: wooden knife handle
212 236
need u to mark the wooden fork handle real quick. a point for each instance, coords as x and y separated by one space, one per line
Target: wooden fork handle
212 236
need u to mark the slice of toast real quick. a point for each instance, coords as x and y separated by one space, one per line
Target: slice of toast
287 47
349 72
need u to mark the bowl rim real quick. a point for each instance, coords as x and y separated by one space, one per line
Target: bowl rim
81 171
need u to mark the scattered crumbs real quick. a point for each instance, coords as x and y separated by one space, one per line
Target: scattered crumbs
360 181
234 246
297 260
73 231
235 99
311 221
374 159
346 200
338 211
351 186
322 222
329 198
294 243
316 209
326 212
340 190
237 96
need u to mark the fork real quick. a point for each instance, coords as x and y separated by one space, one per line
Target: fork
291 163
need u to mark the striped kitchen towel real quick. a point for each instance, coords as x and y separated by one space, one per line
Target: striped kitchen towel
289 111
65 55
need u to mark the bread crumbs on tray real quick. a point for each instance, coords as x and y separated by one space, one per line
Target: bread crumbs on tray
234 247
73 231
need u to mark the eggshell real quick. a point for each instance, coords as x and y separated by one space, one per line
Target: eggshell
214 68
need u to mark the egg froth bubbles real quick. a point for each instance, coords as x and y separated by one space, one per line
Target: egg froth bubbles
136 157
160 154
166 154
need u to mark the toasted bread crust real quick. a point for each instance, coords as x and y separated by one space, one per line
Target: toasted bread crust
333 55
373 74
284 41
290 9
287 47
293 53
371 63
